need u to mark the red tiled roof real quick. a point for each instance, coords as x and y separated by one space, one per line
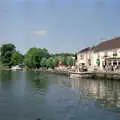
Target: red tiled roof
108 44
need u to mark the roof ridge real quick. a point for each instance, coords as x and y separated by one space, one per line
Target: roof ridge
109 44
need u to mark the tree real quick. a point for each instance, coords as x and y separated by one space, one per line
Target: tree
34 56
61 59
29 59
43 62
56 61
6 54
45 53
51 63
64 54
75 56
48 62
70 61
16 58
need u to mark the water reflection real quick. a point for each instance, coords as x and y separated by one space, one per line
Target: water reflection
30 95
37 79
105 92
5 75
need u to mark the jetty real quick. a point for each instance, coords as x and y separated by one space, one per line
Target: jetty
96 75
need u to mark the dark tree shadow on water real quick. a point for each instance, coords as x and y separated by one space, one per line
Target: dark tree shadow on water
37 80
5 75
38 119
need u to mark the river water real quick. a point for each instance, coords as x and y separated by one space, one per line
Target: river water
32 95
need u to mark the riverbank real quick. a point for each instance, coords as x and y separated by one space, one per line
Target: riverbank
96 75
60 72
72 75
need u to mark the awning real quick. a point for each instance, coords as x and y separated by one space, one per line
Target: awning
112 58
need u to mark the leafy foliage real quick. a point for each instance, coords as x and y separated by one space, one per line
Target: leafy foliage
29 59
49 62
16 58
34 57
43 62
70 61
6 54
64 54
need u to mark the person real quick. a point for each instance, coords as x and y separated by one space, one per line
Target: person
112 68
116 67
103 67
106 68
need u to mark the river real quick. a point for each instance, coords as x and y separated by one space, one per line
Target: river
31 95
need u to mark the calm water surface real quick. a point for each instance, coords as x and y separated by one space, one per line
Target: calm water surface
30 95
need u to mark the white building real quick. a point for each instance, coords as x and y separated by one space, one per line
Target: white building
84 57
107 53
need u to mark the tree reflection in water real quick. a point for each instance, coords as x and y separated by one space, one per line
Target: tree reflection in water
106 93
37 79
5 75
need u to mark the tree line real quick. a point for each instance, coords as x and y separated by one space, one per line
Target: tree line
34 57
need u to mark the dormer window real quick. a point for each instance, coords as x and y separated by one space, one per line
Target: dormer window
114 53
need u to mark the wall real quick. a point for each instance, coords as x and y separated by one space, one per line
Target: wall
94 56
102 53
86 56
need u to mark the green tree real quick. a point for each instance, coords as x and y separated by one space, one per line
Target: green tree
64 54
45 53
29 59
43 62
16 58
61 59
65 61
51 63
6 54
48 62
34 56
75 56
56 61
70 61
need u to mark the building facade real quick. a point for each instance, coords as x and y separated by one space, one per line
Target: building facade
84 57
106 53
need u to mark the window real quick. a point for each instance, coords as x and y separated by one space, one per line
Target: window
118 62
81 56
106 54
109 62
114 62
89 62
114 53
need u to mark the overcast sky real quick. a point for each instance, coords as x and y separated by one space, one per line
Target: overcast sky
58 25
